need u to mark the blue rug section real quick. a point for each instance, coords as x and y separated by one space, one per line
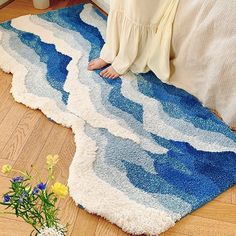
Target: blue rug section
55 61
179 180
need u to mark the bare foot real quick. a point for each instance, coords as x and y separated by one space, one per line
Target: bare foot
97 63
109 73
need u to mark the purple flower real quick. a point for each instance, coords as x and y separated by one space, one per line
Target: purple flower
35 191
17 179
6 198
41 186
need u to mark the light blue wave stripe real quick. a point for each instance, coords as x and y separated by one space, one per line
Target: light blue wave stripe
181 105
55 61
35 80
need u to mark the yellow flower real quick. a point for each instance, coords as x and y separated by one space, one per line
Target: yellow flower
52 160
6 169
60 190
27 188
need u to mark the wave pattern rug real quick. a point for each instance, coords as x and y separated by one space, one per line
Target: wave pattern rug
147 153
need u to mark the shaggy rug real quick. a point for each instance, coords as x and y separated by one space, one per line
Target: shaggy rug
147 153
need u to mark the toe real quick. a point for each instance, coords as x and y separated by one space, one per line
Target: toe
114 74
107 74
102 73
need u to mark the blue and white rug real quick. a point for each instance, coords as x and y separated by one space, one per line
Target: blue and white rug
147 153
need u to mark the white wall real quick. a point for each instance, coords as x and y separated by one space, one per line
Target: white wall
104 4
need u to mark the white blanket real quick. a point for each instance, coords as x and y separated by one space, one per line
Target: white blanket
204 53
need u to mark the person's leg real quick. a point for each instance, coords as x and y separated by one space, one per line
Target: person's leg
111 47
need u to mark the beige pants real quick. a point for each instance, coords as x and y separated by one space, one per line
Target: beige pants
139 36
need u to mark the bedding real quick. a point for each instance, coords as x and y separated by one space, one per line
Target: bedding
204 54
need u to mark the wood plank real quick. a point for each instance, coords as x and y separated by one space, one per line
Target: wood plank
173 234
10 122
122 233
66 154
218 211
6 2
5 81
6 104
198 226
6 99
24 7
14 227
69 215
21 134
53 145
234 195
34 144
225 197
5 183
85 224
105 228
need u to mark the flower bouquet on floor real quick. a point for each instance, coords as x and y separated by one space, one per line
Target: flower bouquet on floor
34 200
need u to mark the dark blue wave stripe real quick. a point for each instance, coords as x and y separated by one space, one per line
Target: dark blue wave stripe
205 171
56 62
70 18
182 105
191 175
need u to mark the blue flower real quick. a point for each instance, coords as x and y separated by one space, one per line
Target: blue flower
35 191
6 198
17 179
41 186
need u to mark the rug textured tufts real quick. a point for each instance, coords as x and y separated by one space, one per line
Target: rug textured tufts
147 153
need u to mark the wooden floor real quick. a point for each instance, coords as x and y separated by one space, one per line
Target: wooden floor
27 136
